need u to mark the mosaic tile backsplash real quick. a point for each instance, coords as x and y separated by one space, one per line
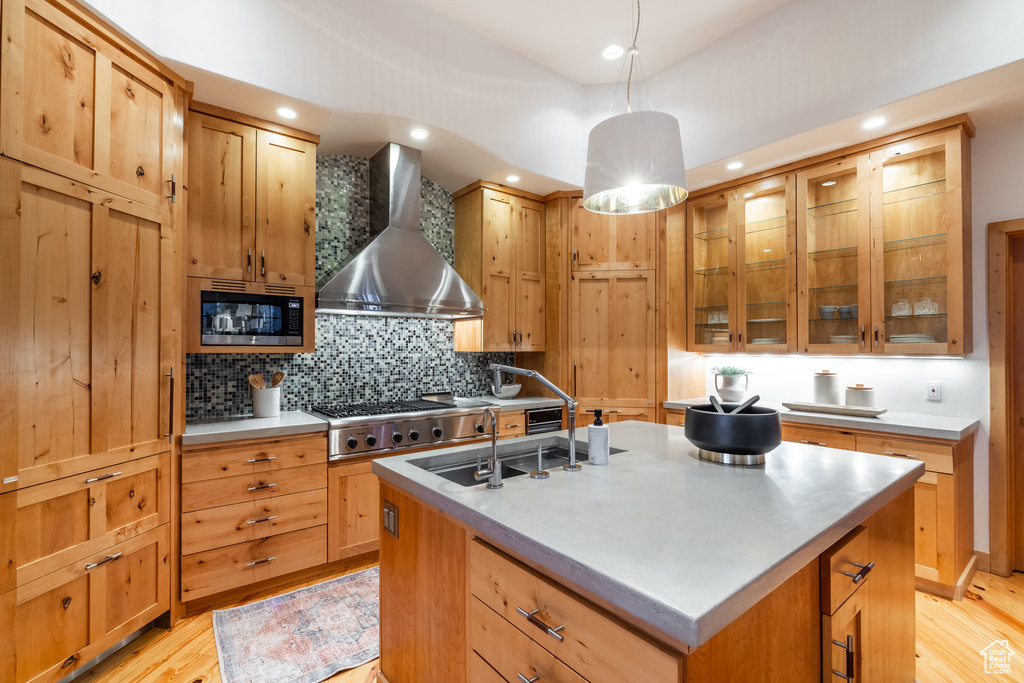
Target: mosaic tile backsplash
357 358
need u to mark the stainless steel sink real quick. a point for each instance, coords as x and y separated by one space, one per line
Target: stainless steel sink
516 459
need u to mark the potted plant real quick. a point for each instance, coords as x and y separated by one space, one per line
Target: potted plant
731 382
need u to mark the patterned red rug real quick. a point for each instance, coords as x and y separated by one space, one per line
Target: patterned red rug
304 636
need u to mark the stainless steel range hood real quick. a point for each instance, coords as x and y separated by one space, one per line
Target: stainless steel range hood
397 272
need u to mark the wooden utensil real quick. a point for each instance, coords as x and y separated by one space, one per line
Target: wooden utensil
277 379
254 382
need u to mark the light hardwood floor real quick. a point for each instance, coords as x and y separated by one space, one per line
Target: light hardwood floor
950 637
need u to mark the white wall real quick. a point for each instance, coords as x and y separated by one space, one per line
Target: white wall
997 194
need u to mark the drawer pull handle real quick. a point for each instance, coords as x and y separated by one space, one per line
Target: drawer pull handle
263 561
261 486
512 426
108 475
267 459
532 618
524 679
265 519
900 455
850 657
814 443
865 569
108 558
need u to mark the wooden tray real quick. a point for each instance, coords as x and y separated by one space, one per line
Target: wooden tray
855 411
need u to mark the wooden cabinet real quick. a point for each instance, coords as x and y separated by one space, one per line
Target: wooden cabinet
252 510
511 424
83 102
252 200
742 284
828 438
90 342
72 615
612 242
613 338
609 414
675 417
353 504
500 253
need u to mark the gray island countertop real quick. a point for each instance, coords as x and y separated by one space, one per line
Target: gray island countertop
683 545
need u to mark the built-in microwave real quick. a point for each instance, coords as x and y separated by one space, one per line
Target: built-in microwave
248 314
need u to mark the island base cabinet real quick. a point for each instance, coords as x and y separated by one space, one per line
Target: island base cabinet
353 504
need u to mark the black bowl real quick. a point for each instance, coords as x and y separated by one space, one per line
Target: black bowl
755 431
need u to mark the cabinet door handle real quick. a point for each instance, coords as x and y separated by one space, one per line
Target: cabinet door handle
524 679
520 337
876 336
170 407
512 426
108 475
261 486
900 455
248 263
263 561
266 459
575 257
532 618
739 338
259 521
850 657
813 443
865 569
108 558
263 262
173 196
863 335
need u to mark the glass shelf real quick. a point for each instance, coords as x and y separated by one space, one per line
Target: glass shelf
839 203
920 316
723 233
912 280
841 252
721 270
818 289
764 321
714 325
768 303
710 308
765 220
770 263
833 320
916 242
888 198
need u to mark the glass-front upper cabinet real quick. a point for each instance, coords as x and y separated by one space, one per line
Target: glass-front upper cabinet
920 241
711 294
766 272
833 243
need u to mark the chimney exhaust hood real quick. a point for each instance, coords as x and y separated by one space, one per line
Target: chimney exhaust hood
397 272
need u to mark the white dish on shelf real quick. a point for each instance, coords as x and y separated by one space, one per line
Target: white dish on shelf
855 411
912 339
768 340
767 320
842 339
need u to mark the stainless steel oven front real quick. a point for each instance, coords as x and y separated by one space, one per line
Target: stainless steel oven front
249 319
540 420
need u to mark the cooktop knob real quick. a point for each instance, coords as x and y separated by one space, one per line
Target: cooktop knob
414 435
351 443
479 428
397 437
436 431
371 440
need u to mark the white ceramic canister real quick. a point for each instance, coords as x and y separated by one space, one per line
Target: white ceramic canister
827 388
860 396
731 388
266 402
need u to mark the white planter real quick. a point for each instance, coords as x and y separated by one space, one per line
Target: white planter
731 388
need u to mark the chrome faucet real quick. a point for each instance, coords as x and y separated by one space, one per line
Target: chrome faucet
493 471
570 403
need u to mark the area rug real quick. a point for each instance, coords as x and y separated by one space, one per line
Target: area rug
304 636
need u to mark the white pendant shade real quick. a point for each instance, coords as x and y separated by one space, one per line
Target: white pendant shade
635 164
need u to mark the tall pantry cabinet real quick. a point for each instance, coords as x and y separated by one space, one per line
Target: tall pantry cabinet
91 138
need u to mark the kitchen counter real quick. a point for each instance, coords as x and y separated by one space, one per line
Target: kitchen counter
713 539
908 424
230 429
524 402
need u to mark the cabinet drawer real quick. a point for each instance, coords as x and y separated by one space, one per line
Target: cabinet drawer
511 653
819 437
511 424
216 463
244 488
936 457
675 417
237 565
62 521
73 614
229 524
481 672
593 640
851 555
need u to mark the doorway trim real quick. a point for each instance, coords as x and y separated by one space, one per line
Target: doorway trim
1001 288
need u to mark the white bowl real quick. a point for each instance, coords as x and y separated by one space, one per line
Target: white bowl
507 390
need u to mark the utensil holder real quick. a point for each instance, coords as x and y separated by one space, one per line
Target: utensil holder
266 402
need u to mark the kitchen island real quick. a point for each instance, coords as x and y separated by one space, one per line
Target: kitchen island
658 566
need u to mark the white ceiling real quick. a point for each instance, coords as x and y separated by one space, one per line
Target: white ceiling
568 36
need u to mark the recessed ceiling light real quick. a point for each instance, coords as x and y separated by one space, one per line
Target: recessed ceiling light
419 134
874 122
828 183
749 194
613 51
734 165
286 112
512 179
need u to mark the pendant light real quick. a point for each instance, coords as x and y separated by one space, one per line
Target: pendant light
634 160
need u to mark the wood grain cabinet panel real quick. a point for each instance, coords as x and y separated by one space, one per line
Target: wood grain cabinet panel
285 209
353 502
827 438
198 464
73 614
78 101
245 488
511 424
612 242
91 331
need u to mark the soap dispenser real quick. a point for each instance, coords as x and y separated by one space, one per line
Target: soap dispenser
597 439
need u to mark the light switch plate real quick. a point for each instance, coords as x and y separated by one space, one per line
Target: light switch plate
391 518
933 391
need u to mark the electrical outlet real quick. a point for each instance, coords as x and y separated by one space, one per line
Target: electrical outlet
391 518
933 390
